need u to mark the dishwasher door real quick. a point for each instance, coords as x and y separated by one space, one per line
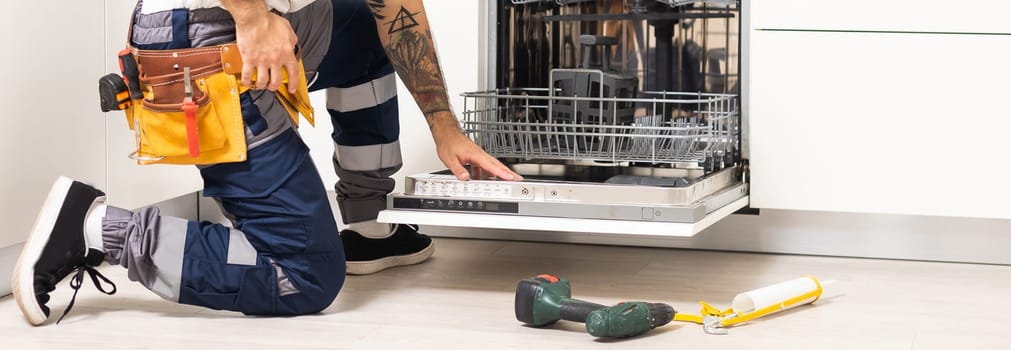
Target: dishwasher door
537 223
547 201
622 116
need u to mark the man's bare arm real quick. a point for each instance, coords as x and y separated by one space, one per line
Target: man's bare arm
404 31
266 42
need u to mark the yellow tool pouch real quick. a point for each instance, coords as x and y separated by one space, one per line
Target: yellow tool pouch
190 112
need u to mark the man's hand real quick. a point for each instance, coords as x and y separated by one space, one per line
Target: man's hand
457 150
267 44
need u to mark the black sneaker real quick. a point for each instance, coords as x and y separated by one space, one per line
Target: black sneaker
404 247
56 248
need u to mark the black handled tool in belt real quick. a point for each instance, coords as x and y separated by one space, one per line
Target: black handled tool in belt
131 73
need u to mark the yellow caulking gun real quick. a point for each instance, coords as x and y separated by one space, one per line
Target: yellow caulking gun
753 304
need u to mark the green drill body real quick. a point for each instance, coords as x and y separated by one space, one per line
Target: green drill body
545 299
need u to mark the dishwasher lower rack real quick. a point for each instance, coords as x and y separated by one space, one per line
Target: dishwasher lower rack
682 130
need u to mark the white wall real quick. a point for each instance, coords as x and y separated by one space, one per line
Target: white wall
52 58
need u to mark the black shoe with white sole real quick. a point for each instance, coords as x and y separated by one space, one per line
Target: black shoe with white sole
56 248
369 255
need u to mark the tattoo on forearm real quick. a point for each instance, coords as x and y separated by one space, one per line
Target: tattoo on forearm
403 21
411 52
377 7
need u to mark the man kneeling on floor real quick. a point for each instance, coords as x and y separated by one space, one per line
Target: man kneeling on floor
283 256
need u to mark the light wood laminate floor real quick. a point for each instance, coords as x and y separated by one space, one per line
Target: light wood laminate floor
463 299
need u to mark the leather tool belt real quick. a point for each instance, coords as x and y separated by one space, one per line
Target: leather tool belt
188 110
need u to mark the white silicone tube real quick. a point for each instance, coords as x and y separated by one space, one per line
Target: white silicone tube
761 298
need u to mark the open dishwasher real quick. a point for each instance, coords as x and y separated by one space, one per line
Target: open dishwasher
623 116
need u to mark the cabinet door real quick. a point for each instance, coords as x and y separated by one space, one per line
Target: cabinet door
881 123
939 16
51 123
131 185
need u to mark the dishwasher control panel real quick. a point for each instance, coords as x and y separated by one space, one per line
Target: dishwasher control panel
452 188
452 204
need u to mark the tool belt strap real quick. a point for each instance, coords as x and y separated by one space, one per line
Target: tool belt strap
164 67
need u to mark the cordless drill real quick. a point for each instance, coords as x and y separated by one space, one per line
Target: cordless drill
545 299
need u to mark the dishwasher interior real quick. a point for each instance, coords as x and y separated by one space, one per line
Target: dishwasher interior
614 111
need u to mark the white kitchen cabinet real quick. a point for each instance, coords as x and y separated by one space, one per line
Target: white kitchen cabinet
52 122
52 125
892 123
939 16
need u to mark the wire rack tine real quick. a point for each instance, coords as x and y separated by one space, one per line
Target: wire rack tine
659 128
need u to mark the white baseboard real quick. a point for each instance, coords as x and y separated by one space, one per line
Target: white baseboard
811 233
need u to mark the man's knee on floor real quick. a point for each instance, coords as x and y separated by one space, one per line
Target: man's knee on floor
305 304
309 291
270 289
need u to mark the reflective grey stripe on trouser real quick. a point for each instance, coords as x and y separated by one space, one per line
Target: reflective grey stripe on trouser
151 248
364 171
362 96
241 252
361 193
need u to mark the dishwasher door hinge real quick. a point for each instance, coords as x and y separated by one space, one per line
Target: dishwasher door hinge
746 179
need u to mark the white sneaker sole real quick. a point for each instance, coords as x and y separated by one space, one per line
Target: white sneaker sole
24 272
373 266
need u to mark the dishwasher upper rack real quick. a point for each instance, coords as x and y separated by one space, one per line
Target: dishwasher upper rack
681 129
